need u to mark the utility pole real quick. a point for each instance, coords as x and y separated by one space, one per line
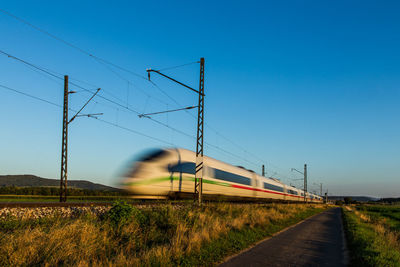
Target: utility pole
320 190
263 171
326 196
198 180
305 180
64 144
305 183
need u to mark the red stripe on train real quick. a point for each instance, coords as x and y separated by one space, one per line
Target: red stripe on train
263 190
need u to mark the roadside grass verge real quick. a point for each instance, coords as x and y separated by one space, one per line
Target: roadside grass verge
371 240
165 235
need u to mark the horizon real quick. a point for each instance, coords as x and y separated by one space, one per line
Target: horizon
286 85
116 187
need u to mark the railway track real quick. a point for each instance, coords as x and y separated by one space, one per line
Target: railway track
84 204
136 203
51 204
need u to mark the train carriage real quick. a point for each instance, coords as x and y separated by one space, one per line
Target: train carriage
166 173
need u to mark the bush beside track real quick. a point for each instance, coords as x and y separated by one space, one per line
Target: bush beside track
165 235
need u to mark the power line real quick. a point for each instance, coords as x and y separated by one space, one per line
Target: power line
100 96
98 59
135 111
130 82
178 66
31 96
134 131
29 64
122 127
123 106
104 121
216 132
101 61
70 44
104 61
125 128
166 111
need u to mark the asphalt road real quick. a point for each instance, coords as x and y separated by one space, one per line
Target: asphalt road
317 241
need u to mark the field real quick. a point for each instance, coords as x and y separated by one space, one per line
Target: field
162 235
373 233
40 198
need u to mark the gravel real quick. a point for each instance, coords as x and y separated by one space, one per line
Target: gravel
42 212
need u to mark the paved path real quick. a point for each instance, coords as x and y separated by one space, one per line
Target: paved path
317 241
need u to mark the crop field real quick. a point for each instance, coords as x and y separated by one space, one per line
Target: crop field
389 214
126 235
373 233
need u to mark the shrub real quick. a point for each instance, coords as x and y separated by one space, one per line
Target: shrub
120 213
140 217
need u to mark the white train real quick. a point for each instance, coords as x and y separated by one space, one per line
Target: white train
169 173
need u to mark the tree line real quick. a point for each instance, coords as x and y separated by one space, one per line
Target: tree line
55 191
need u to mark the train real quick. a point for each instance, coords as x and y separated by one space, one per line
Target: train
169 173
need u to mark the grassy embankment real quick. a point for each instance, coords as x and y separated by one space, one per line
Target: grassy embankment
161 235
373 234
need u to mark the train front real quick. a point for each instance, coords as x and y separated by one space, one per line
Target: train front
148 175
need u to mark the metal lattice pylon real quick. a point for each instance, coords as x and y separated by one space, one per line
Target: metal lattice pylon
198 181
64 146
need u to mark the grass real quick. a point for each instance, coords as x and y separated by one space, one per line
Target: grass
166 235
372 234
39 198
390 215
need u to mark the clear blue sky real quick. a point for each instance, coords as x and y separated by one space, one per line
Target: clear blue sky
293 82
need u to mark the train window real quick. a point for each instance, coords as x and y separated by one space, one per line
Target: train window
273 187
230 177
154 154
189 167
292 192
185 167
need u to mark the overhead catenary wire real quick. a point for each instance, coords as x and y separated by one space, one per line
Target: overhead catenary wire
165 111
178 66
130 82
100 96
104 61
116 125
31 96
126 128
102 120
127 107
70 44
119 126
97 59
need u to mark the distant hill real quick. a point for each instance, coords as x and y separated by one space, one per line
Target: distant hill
28 180
390 200
356 198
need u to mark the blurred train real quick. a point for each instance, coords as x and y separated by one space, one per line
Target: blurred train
169 174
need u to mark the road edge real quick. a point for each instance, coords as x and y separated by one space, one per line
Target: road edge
345 249
273 235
